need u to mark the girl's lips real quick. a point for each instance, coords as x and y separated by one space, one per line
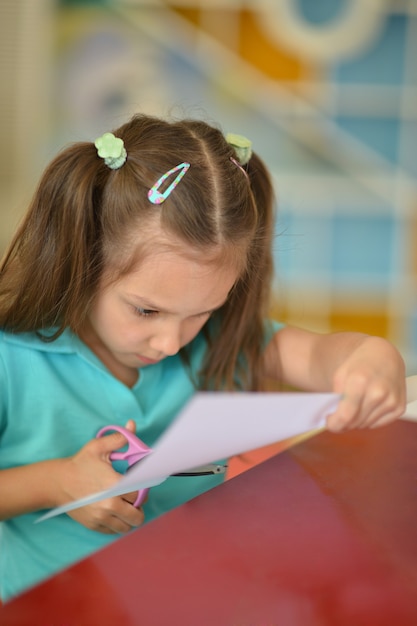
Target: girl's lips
144 359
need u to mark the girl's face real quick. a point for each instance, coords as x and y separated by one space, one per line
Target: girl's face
154 311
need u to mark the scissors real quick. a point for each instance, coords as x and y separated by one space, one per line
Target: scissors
137 450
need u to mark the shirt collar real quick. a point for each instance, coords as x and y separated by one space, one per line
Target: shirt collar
67 342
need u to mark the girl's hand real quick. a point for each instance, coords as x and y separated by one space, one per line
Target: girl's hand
372 383
90 471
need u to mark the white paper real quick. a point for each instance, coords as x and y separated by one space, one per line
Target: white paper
215 426
411 410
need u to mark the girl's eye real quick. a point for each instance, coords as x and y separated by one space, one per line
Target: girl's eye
144 312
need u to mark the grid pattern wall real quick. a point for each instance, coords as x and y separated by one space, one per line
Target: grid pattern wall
327 92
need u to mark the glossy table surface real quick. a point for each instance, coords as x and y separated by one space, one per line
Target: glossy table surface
323 534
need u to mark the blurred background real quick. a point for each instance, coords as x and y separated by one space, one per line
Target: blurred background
325 89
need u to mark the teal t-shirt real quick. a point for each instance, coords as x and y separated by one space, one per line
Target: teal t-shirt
54 398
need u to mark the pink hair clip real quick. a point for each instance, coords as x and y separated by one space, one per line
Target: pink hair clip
155 196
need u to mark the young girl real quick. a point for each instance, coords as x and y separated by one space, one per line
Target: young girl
140 274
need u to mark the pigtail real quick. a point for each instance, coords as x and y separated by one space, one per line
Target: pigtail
52 266
236 339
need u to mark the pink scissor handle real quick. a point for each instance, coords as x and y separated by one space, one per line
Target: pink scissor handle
136 450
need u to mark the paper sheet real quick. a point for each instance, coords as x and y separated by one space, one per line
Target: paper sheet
215 426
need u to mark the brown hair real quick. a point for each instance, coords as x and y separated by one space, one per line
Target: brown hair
84 216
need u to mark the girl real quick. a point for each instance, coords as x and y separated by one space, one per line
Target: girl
140 274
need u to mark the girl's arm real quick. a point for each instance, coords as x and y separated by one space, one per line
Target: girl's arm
367 371
48 484
27 488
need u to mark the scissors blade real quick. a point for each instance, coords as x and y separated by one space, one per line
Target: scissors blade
204 470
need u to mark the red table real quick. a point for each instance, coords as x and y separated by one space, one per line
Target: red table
324 534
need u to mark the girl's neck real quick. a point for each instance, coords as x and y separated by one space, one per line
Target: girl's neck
127 375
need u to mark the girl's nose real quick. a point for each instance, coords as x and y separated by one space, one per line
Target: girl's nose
167 341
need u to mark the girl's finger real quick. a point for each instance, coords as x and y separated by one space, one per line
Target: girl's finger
131 425
379 405
384 419
346 413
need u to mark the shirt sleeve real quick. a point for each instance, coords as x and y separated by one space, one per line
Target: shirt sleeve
270 328
3 396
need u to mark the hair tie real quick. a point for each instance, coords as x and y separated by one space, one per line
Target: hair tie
239 166
112 150
242 147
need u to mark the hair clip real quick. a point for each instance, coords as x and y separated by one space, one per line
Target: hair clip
155 196
242 147
112 150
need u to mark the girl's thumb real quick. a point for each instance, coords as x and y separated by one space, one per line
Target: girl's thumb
111 442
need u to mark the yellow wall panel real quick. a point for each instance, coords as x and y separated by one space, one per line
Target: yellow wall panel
190 14
361 320
275 62
252 44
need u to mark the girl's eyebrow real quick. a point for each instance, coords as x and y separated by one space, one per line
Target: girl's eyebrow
147 304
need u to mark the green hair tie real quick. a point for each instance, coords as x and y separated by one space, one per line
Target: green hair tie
242 147
112 150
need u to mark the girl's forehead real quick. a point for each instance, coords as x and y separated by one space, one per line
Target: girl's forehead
151 245
153 249
174 283
184 263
